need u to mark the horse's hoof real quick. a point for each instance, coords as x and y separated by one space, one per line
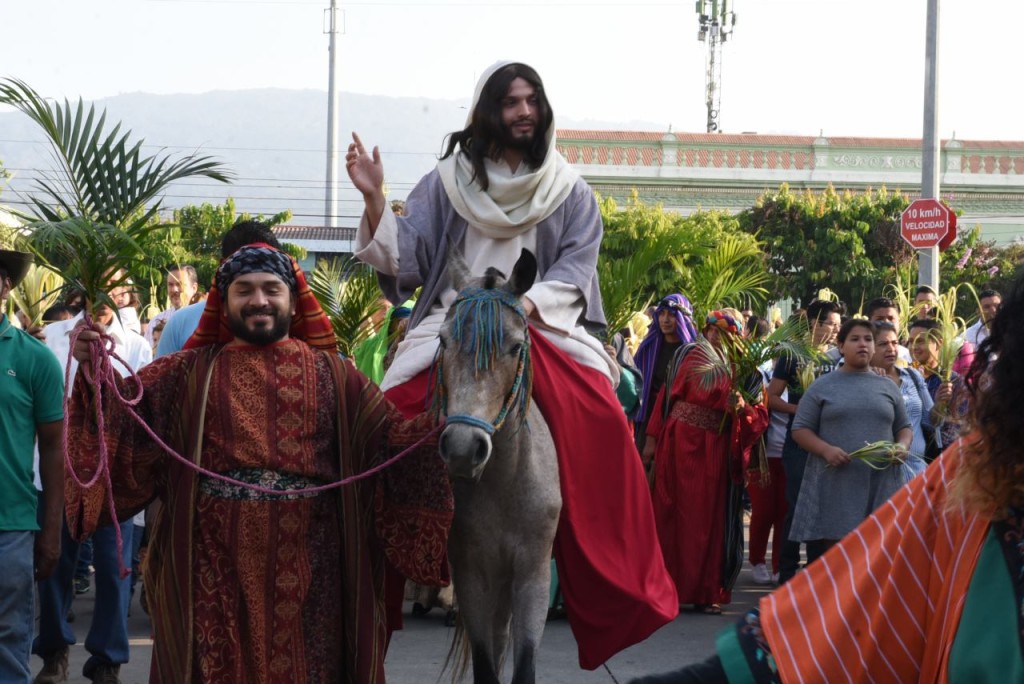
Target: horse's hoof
419 610
449 618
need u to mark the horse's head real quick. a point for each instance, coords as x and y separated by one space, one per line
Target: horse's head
483 363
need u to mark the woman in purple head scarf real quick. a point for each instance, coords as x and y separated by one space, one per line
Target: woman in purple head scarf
671 329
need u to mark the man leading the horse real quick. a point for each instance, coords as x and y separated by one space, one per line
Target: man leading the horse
266 578
501 187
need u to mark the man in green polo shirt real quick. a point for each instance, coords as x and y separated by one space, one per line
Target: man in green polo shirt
31 407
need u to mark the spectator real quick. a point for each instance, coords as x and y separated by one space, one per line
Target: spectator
767 489
951 398
924 302
840 413
31 409
823 317
182 290
916 398
885 309
107 641
925 590
991 301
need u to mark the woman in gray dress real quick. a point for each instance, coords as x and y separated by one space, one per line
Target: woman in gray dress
840 413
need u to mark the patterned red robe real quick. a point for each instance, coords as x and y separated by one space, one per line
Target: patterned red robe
244 588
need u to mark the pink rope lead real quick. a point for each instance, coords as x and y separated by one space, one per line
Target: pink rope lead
101 372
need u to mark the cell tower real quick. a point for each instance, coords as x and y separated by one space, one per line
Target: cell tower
716 25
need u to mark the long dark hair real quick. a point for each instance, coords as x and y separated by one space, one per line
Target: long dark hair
991 477
485 135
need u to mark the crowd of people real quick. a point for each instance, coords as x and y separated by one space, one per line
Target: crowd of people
255 572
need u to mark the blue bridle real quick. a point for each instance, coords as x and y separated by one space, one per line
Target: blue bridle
485 339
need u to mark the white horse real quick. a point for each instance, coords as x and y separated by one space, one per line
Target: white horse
504 472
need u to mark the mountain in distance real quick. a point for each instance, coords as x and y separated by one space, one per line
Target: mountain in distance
273 141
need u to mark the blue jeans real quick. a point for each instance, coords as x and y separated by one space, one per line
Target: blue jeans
794 461
16 605
107 640
138 532
84 560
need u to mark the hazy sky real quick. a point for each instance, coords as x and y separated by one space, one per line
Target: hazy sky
848 67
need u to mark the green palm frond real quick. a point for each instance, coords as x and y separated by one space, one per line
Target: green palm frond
93 215
103 176
95 257
739 360
953 328
903 292
37 292
731 274
348 293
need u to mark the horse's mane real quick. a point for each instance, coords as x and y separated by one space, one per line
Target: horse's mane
479 330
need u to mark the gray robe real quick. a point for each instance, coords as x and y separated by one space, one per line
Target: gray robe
567 245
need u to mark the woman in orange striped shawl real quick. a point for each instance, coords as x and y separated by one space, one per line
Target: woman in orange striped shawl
930 588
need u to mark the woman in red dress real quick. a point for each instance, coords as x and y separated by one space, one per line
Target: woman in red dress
697 436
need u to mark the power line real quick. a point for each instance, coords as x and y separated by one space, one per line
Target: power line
200 147
474 4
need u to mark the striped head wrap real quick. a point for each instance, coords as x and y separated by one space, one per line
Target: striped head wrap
724 321
309 323
255 259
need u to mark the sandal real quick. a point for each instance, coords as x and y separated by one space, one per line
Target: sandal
708 608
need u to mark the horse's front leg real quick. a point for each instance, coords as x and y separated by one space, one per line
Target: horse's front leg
477 604
530 611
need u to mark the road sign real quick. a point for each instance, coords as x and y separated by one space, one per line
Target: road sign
925 223
951 235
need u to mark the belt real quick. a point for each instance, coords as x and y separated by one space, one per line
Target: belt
699 416
268 479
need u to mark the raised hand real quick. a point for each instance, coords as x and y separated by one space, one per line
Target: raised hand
365 170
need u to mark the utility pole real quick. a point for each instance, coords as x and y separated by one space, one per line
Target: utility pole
332 27
928 259
716 25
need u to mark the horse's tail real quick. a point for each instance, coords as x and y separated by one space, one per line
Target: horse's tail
458 657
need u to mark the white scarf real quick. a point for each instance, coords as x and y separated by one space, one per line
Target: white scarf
512 203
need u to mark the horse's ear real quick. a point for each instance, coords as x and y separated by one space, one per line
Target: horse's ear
458 269
523 274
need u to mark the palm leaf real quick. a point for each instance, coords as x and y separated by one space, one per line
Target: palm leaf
37 292
95 257
731 274
102 176
739 359
622 281
953 328
348 293
91 218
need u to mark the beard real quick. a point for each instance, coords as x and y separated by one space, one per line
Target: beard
261 336
519 143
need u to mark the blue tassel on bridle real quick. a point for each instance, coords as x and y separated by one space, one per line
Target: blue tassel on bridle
484 338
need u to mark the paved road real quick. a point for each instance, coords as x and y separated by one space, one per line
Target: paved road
418 652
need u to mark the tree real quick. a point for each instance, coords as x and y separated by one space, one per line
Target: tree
648 253
848 243
99 211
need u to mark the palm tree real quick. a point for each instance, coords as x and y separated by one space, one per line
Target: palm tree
94 214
